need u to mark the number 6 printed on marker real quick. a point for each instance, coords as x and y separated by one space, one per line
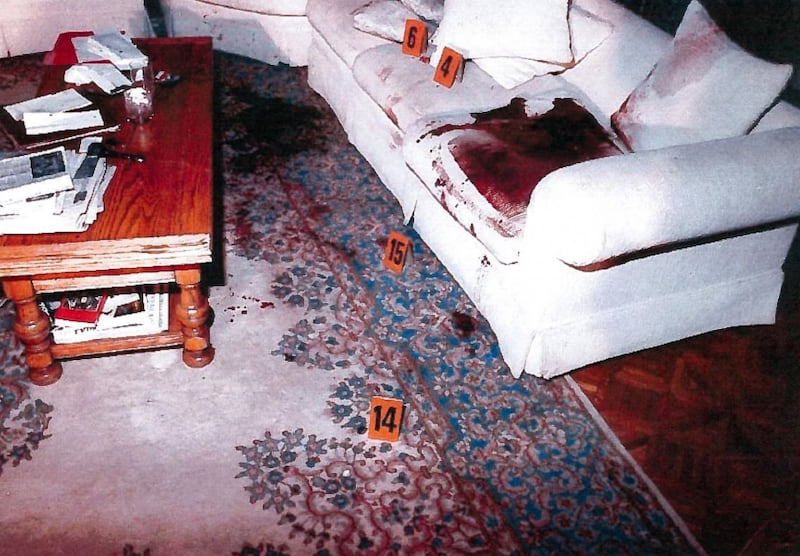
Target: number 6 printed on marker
415 39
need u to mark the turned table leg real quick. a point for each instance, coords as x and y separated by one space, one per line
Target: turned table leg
193 313
32 327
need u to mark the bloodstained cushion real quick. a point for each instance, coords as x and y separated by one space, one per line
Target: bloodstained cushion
705 87
483 169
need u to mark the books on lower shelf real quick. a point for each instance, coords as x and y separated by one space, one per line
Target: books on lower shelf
122 314
55 190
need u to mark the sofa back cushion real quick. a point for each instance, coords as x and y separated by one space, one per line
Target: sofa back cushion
431 10
268 7
537 30
383 18
704 87
587 32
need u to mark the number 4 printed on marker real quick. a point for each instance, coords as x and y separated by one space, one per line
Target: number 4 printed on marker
449 68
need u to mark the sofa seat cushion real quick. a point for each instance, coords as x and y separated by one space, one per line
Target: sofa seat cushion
483 167
267 7
403 86
333 21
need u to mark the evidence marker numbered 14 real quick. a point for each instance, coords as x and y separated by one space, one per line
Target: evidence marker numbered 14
385 418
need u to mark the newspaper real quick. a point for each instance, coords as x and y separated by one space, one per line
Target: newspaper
62 101
33 175
69 210
151 319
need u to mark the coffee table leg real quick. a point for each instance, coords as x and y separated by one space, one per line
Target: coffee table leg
32 327
193 312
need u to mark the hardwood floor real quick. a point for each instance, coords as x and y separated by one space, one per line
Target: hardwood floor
713 420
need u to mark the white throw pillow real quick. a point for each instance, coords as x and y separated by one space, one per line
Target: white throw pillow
384 18
587 32
512 72
704 87
534 29
427 9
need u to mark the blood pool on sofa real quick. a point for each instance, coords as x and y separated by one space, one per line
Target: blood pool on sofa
506 152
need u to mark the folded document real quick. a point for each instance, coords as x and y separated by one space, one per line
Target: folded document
55 112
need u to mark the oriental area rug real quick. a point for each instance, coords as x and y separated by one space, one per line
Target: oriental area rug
265 451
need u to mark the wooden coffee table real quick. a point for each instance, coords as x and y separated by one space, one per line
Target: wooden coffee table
156 227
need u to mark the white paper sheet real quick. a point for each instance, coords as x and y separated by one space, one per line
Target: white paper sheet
68 99
37 123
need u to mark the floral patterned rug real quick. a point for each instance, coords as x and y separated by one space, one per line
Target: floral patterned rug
265 451
23 420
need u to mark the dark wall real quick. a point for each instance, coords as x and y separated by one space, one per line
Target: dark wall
666 14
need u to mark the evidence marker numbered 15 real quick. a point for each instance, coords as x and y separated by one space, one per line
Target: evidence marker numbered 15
398 248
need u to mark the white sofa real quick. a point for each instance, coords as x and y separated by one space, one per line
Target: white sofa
28 26
613 255
609 256
272 31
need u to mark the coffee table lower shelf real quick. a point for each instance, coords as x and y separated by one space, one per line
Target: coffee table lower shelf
188 325
171 337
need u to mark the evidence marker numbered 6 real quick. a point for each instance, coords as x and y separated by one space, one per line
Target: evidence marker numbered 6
415 38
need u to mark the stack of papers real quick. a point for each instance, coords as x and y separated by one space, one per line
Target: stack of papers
66 196
113 47
54 112
105 76
30 176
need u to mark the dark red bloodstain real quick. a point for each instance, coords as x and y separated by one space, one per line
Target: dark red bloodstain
512 151
464 324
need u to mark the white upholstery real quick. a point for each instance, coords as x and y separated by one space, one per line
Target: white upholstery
272 31
267 7
403 86
333 22
481 29
28 26
704 87
732 218
597 210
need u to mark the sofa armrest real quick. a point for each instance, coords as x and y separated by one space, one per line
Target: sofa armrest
597 210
